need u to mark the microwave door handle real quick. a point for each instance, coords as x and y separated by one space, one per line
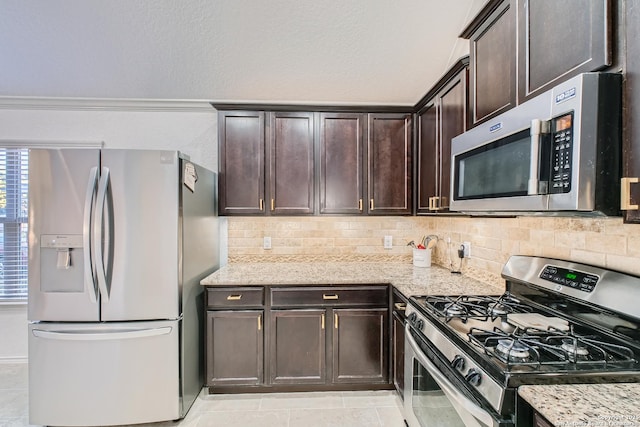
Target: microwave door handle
534 173
451 391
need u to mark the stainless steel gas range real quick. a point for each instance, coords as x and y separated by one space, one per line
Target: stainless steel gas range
558 322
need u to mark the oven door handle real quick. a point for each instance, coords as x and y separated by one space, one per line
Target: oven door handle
446 386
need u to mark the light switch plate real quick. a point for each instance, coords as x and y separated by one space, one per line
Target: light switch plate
266 243
388 242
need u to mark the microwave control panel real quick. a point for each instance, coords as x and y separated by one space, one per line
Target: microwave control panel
561 153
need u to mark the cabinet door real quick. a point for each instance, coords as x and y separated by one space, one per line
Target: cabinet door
453 121
235 347
241 179
428 155
631 127
360 346
559 39
341 161
297 347
389 164
398 354
291 163
493 64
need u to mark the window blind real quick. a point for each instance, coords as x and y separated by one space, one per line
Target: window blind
14 185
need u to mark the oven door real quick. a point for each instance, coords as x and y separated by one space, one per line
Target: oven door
432 398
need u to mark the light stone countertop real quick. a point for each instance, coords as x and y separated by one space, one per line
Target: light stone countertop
405 277
578 405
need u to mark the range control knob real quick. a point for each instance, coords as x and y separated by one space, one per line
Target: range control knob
474 377
412 317
419 324
458 363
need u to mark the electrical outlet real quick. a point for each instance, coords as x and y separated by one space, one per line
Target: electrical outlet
266 242
388 242
467 249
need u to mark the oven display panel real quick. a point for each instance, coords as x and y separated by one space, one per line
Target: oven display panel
575 279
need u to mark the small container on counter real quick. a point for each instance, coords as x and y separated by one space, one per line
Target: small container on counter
422 257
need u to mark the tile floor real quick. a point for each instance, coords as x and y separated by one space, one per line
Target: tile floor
323 409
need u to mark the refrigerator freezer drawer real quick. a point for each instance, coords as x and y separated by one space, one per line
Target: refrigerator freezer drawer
103 374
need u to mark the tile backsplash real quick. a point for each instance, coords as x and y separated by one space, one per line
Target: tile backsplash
600 241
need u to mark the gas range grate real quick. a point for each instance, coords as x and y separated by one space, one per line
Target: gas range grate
535 348
473 307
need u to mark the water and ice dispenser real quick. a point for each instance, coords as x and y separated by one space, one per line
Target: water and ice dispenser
61 263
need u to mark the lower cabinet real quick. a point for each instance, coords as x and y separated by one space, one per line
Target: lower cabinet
297 338
298 347
359 341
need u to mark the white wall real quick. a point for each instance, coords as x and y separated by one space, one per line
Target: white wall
186 126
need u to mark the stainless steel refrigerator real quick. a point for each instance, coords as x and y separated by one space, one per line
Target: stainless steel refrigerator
118 243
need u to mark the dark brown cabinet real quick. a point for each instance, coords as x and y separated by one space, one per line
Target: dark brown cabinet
235 349
492 51
291 171
234 333
442 117
389 164
631 129
331 336
341 163
360 345
242 167
297 342
542 42
558 39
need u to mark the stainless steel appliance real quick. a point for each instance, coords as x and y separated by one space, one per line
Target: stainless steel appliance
118 242
558 322
557 152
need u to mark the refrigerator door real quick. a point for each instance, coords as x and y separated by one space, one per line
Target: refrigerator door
62 189
103 374
138 231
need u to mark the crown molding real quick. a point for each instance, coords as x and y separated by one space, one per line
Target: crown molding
105 104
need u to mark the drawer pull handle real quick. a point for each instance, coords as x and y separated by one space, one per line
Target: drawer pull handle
371 205
234 297
322 321
360 205
400 306
325 296
260 322
261 204
335 316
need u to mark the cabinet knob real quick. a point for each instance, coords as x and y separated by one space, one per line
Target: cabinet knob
625 194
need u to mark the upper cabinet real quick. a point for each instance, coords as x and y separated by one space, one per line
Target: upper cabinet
558 39
442 115
322 162
341 163
492 54
291 171
389 164
555 40
241 178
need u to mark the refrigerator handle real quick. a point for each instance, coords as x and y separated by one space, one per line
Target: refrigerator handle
89 267
101 336
98 234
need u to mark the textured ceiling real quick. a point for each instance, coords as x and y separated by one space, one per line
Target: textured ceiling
302 51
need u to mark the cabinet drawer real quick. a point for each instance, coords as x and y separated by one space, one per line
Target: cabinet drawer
235 297
330 296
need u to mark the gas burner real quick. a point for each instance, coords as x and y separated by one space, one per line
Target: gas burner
513 351
575 350
454 309
498 310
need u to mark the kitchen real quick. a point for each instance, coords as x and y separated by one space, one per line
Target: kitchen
600 241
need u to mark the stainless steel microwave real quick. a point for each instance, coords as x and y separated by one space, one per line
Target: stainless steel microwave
558 153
